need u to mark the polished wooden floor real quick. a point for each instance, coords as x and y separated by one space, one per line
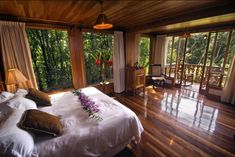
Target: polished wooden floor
182 123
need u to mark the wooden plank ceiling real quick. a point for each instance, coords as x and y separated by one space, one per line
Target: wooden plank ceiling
123 14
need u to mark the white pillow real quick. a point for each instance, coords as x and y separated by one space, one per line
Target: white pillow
15 141
19 102
4 96
21 92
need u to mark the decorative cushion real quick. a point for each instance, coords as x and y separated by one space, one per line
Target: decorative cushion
41 98
41 122
4 96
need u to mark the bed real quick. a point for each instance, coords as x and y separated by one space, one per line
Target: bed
82 135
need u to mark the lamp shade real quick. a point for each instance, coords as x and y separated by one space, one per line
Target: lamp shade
14 76
102 22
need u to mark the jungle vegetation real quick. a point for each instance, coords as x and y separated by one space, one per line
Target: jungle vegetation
51 56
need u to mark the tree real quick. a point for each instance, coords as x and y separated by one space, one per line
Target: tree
97 46
144 49
51 58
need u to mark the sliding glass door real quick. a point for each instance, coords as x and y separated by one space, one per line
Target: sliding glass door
200 61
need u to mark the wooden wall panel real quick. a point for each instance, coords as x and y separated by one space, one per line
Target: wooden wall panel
77 58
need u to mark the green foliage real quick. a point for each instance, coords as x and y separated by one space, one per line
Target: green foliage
196 46
196 49
144 49
51 58
97 46
231 49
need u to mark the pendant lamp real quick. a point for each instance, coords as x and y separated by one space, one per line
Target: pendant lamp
102 20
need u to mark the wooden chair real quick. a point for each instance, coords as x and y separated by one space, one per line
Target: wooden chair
157 78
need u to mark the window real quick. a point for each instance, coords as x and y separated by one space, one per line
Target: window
171 55
144 46
98 50
169 49
217 60
196 47
51 58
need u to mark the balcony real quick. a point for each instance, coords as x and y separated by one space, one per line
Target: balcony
216 76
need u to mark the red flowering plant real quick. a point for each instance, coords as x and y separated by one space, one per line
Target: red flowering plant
103 60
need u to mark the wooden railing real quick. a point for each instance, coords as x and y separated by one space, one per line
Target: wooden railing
217 75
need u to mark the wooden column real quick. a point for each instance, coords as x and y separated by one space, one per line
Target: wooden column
77 58
131 48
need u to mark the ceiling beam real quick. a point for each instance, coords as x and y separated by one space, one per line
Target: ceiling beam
226 8
204 28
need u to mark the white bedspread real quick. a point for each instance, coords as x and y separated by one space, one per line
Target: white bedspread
88 137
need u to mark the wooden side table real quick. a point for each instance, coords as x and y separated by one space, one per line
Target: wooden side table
135 78
107 87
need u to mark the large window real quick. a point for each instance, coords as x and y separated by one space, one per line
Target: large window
216 56
98 50
171 56
144 46
51 58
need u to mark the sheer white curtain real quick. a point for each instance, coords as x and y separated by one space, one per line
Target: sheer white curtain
118 63
228 94
15 49
158 48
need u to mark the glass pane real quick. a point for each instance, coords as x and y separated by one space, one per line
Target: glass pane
180 58
98 49
144 47
174 55
194 58
168 55
229 57
217 64
220 50
51 58
208 61
169 49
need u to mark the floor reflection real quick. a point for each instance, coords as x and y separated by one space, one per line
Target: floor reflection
188 107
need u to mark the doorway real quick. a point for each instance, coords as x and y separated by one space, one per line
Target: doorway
200 61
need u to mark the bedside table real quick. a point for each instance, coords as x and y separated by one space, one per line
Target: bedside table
107 87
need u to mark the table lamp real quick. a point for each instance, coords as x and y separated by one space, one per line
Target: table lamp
14 77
